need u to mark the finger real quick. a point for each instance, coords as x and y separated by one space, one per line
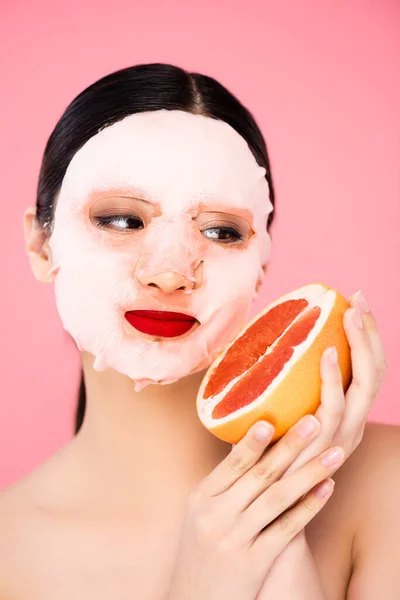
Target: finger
281 496
269 468
364 384
239 460
271 542
330 411
371 329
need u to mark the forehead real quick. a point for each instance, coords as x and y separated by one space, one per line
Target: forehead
174 158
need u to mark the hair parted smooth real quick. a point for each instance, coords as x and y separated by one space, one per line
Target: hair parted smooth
136 89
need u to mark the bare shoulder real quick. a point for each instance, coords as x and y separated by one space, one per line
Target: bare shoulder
16 504
365 478
378 437
14 516
373 476
354 538
21 528
12 503
369 489
373 466
368 484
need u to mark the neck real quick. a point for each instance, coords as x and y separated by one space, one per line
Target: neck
146 445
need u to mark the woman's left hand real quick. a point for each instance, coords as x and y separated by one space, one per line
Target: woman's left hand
342 420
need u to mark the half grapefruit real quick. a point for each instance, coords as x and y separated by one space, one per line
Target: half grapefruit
271 370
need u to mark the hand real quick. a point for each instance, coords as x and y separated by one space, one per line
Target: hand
343 418
242 515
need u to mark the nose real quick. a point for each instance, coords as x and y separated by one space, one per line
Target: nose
168 282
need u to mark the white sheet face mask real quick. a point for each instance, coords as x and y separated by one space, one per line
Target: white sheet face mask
171 175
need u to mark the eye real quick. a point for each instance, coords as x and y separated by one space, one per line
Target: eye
223 234
119 222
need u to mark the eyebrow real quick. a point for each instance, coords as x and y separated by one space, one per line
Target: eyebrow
231 209
140 194
133 193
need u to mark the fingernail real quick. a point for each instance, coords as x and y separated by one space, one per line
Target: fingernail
332 457
307 425
325 488
362 302
332 355
356 316
263 431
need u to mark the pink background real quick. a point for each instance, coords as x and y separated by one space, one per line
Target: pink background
321 78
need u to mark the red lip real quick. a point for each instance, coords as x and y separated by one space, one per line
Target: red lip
160 322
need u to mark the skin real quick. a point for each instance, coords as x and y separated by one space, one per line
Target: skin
367 480
166 179
96 494
103 516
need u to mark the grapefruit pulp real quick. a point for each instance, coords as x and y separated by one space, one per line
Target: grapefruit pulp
271 370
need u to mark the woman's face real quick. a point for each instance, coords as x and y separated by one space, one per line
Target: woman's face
162 211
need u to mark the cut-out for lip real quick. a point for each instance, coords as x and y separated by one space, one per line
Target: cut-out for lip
160 323
162 315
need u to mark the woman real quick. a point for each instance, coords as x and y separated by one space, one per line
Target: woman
155 194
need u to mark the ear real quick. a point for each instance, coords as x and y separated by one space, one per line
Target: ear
37 247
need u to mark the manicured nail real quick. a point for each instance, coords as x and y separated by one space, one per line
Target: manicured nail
362 302
263 431
307 425
332 457
325 488
332 355
357 319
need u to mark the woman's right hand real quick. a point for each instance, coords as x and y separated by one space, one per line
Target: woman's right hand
242 515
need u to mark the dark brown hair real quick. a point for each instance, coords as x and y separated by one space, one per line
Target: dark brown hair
137 89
